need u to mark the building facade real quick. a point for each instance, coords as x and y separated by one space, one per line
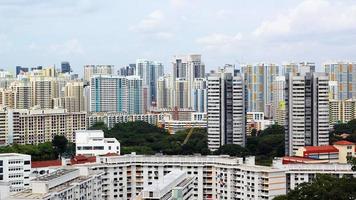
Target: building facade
344 73
15 170
307 116
225 109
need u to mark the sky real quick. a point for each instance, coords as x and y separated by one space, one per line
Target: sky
46 32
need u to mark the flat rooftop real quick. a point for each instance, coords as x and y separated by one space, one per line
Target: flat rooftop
55 175
166 181
11 154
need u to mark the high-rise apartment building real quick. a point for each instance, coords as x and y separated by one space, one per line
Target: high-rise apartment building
116 94
44 89
259 80
149 72
129 70
307 116
73 97
298 68
108 93
164 92
278 102
199 95
135 103
91 70
342 111
226 109
345 75
186 69
37 126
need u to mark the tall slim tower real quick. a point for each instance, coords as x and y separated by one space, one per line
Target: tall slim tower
164 91
134 95
186 68
149 72
226 110
259 83
307 116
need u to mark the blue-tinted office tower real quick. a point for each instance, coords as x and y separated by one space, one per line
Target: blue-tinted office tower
65 67
20 69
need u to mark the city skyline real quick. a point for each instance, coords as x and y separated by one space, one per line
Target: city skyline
84 32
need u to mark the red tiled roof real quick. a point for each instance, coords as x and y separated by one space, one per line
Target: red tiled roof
111 154
320 149
81 159
46 163
297 159
343 142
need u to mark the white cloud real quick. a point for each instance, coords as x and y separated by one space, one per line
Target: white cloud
223 14
5 43
219 40
69 47
178 3
164 35
151 22
311 17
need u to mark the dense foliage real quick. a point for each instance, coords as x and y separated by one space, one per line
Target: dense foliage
267 145
324 187
43 151
344 128
144 138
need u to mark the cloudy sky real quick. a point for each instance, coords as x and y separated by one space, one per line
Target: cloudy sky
46 32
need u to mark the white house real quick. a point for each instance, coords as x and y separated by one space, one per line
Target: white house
93 143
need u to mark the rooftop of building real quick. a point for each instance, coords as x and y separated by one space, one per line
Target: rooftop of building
297 159
46 163
28 194
321 149
54 175
344 142
79 159
3 155
160 185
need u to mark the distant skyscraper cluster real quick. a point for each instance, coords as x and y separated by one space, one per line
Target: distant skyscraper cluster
231 102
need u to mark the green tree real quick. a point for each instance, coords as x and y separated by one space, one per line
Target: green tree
60 143
232 150
324 187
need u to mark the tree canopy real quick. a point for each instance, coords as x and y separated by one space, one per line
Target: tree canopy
144 138
267 145
344 128
324 187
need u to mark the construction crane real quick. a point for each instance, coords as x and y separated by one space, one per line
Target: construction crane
190 133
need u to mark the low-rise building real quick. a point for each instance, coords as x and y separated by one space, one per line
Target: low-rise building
66 183
336 153
93 143
15 170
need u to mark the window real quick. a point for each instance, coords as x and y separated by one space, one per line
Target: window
98 147
27 162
